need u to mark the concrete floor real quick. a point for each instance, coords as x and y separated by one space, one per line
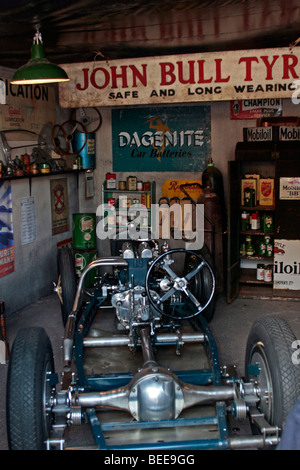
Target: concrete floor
231 326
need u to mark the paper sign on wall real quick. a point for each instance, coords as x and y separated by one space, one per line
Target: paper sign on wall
7 253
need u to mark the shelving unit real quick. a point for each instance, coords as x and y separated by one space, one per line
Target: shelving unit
242 269
278 160
121 213
247 274
31 176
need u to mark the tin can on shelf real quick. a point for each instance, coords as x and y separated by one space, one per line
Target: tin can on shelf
45 168
110 181
249 197
144 199
131 183
139 186
268 223
123 202
111 202
25 159
268 273
245 216
122 185
146 186
262 248
144 220
255 221
269 250
249 247
111 218
260 272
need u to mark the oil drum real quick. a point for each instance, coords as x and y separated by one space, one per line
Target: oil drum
84 231
82 260
88 152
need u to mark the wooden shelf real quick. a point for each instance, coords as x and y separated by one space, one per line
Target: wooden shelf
258 208
257 257
256 232
248 276
30 175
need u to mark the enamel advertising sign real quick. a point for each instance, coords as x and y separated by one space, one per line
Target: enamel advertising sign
185 78
286 264
161 138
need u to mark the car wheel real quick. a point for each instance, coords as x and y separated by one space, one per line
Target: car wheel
29 387
268 362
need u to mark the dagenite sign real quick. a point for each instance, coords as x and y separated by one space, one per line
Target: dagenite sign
214 76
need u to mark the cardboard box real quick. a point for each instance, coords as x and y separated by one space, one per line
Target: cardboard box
266 191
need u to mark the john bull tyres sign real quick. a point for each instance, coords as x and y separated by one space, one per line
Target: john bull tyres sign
161 139
213 76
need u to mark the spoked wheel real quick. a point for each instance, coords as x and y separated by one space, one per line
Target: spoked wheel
269 363
179 299
30 383
90 118
62 137
67 284
60 140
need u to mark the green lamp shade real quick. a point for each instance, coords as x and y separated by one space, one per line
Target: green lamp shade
39 70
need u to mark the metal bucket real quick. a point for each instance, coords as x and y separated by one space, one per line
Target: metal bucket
84 231
88 152
82 260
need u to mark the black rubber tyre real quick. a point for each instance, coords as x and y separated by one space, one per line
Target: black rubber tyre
202 286
66 270
28 390
269 346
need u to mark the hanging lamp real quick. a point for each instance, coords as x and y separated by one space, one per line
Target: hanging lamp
38 69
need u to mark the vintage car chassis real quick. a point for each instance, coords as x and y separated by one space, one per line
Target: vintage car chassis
177 390
155 407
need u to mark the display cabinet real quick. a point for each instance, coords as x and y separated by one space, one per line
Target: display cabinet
279 161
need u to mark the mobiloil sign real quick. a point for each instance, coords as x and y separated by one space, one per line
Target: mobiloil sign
287 264
161 139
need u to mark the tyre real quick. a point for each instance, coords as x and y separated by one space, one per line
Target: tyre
29 388
68 282
269 347
202 286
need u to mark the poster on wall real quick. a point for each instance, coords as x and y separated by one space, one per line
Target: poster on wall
59 205
287 264
255 108
27 107
28 220
7 253
161 138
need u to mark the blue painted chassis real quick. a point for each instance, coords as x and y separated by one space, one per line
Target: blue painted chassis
104 382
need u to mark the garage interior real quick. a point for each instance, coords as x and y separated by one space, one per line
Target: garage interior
77 33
